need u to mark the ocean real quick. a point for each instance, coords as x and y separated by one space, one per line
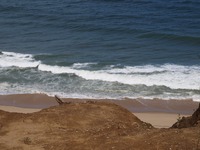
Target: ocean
100 49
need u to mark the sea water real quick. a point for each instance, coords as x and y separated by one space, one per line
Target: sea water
101 48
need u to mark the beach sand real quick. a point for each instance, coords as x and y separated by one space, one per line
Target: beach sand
158 120
86 124
18 109
159 113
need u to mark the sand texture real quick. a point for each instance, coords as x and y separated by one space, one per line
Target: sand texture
89 125
159 120
39 101
18 109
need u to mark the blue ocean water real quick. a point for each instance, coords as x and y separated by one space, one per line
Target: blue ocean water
101 48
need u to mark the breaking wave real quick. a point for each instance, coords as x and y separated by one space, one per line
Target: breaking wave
110 80
169 75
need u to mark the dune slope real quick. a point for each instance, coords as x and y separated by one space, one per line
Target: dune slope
89 125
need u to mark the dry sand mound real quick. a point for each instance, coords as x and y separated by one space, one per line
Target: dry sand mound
90 125
69 126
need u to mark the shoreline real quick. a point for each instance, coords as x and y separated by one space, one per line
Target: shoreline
159 113
139 105
156 119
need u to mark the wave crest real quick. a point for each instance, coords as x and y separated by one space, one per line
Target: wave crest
10 59
169 75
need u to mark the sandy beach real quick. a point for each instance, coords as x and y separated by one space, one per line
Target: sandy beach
159 113
18 109
158 120
37 122
100 75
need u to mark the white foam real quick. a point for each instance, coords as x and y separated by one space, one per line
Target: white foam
173 76
82 65
136 69
169 75
10 59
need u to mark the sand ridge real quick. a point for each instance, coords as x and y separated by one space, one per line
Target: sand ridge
70 126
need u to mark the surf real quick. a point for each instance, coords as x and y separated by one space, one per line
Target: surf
170 75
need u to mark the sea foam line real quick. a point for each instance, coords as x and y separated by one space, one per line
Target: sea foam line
10 59
182 78
169 75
